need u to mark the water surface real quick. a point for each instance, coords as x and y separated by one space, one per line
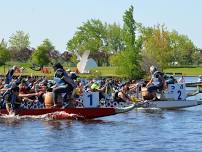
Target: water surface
137 130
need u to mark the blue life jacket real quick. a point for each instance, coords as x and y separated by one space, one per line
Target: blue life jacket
58 77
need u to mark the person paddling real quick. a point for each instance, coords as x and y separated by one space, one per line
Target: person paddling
157 82
12 99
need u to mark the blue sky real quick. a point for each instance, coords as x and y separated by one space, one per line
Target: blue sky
58 19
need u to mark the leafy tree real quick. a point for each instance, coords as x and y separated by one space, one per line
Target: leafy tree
3 43
90 36
100 38
4 55
183 50
128 60
129 27
19 41
164 48
197 57
41 54
54 55
114 38
22 55
156 47
19 46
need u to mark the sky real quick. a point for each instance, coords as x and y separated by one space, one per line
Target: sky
58 20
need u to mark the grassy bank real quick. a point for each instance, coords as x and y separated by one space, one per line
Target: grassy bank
185 71
110 71
102 71
97 72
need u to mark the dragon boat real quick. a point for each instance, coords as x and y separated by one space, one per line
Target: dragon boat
88 107
174 97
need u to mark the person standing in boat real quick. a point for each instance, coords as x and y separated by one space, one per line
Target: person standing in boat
157 82
12 99
181 80
64 84
9 74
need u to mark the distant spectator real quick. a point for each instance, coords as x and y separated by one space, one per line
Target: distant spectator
181 80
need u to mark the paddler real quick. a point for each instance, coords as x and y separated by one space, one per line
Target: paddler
122 95
96 87
12 99
64 84
9 74
157 82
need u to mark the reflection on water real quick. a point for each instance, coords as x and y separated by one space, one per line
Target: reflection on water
52 125
10 122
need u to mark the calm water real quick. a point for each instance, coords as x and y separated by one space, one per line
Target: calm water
138 130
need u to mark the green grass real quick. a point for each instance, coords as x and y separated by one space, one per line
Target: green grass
185 71
27 70
99 71
105 71
96 72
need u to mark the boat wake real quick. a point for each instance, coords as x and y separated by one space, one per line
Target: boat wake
50 116
149 110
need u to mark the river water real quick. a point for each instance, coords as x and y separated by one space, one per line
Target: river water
137 130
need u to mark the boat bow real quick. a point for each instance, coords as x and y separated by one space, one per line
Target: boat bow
125 109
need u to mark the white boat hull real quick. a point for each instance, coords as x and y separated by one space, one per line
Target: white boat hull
171 104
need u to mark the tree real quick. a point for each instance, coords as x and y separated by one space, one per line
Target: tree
100 38
183 50
90 36
3 43
164 48
156 48
19 41
54 55
128 60
114 38
197 57
19 46
129 28
41 55
4 55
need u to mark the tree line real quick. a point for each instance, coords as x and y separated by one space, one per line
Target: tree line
130 47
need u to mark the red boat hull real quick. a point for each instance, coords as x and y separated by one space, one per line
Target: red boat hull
84 113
